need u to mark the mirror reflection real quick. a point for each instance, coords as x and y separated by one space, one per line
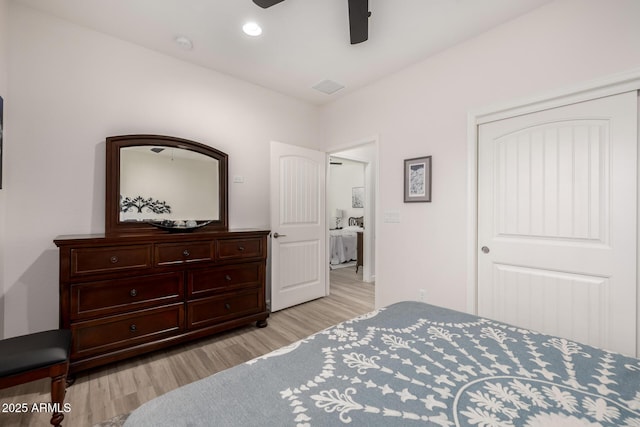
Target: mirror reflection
168 183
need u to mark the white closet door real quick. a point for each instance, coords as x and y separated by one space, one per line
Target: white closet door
557 216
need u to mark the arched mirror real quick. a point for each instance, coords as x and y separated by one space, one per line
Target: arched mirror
161 184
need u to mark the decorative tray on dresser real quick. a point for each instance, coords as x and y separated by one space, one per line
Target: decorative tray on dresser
128 295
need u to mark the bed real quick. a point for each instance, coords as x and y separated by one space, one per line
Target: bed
343 242
413 364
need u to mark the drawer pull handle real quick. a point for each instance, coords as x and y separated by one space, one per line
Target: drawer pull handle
241 248
133 328
186 252
114 259
227 306
133 293
227 278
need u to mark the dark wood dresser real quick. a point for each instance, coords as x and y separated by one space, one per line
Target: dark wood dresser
125 295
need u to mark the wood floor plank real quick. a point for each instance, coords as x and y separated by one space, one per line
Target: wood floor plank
103 393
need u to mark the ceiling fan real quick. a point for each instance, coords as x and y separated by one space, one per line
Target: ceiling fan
358 17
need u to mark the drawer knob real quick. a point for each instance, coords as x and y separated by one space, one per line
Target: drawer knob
133 328
241 248
133 293
113 259
186 252
227 306
227 278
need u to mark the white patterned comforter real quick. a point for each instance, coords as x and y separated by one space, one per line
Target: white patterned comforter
343 245
414 364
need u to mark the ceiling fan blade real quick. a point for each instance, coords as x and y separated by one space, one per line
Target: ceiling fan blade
359 20
267 3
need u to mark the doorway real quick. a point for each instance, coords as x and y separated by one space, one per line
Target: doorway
345 203
350 199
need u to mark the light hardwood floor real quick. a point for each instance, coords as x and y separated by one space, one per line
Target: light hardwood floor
103 393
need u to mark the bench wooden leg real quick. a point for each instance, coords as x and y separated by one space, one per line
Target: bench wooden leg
58 390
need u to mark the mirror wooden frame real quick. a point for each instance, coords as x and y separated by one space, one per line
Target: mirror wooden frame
113 225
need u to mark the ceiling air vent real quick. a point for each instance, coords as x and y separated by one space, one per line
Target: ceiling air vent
328 86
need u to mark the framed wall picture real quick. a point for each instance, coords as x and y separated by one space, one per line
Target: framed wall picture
357 197
417 179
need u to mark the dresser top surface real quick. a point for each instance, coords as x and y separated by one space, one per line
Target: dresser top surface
101 238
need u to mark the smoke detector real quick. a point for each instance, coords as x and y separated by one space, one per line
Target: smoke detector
185 43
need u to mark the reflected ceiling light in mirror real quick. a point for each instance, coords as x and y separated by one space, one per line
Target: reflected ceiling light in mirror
252 29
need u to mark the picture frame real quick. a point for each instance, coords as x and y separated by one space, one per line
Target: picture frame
417 179
357 197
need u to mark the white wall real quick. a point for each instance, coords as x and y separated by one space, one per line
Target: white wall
423 111
4 36
69 89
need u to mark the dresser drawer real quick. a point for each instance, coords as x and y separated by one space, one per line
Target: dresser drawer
121 295
85 261
178 253
115 332
239 248
214 310
221 279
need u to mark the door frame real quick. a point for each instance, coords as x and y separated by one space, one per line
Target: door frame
606 86
371 211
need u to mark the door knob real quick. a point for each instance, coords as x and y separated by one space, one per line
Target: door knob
276 235
485 250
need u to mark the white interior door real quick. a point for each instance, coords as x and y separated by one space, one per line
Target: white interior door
297 225
557 216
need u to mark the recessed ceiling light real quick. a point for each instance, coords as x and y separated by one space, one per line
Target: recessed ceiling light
184 42
252 29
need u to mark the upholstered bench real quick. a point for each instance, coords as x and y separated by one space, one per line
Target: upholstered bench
34 356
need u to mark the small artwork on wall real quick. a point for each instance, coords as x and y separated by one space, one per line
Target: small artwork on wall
357 197
417 179
1 127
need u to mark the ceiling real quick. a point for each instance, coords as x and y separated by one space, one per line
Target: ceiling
304 42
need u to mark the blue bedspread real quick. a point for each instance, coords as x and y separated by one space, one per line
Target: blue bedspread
413 364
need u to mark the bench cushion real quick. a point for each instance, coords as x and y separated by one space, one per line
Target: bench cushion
28 352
